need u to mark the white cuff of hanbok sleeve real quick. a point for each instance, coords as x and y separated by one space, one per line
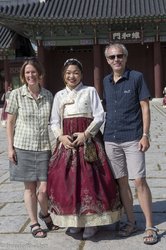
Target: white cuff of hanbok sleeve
57 132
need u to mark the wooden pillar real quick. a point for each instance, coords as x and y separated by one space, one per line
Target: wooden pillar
6 73
97 69
41 57
157 70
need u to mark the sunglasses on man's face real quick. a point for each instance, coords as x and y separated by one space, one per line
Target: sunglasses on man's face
118 56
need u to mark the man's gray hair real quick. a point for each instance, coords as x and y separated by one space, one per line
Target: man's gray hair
116 45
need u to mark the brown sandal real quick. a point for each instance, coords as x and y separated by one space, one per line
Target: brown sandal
128 229
49 224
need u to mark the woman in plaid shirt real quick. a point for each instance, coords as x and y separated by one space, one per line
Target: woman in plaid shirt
28 142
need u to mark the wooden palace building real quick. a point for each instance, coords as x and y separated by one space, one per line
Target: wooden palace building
55 30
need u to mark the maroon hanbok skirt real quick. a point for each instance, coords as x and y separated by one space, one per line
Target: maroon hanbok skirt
81 193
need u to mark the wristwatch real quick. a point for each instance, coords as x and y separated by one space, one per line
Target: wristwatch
146 135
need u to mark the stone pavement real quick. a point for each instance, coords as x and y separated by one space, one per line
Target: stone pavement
14 222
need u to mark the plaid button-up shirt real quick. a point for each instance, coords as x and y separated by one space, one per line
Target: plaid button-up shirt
32 117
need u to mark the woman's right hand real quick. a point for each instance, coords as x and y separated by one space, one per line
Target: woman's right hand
12 156
67 141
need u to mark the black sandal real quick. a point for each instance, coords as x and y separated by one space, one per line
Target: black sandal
128 229
38 230
49 224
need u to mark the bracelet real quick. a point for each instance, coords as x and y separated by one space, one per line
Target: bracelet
146 135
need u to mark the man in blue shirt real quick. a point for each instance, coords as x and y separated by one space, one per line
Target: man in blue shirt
126 136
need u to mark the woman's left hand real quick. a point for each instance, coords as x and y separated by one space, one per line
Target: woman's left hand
79 139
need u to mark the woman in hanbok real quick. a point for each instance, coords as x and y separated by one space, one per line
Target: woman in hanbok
83 195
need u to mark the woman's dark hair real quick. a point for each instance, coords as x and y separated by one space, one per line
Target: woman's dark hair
71 61
36 64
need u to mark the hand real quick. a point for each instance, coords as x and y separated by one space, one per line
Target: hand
79 138
12 156
144 144
67 141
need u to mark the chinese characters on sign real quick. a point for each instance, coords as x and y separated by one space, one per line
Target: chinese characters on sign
126 36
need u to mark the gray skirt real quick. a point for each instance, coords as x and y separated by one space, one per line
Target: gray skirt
31 165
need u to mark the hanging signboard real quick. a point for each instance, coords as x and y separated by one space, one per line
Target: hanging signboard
126 36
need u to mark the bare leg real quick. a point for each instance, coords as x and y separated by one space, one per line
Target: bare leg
30 199
43 201
42 197
127 198
145 200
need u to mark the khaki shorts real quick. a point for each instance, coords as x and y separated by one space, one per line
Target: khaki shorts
126 159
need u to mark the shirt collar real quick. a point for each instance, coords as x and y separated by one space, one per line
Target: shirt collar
25 92
75 89
124 76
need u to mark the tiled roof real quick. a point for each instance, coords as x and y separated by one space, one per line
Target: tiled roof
23 16
69 10
15 2
6 37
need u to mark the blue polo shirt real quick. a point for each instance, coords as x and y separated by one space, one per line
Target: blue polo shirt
122 103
